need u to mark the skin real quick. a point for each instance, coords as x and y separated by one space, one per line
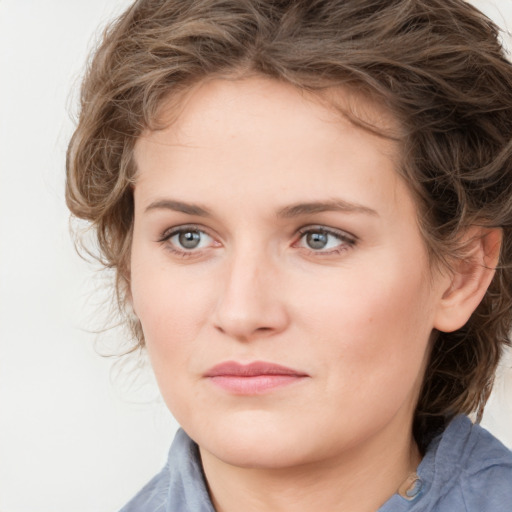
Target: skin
355 317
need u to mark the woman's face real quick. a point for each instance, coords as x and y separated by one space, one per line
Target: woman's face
280 277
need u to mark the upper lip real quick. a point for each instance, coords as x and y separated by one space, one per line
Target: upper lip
235 369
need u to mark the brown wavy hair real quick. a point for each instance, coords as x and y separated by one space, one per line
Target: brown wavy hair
436 65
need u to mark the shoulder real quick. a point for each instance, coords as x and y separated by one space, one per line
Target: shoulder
486 473
473 470
179 487
152 496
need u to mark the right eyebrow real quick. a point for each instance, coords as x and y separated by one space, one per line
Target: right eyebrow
335 205
178 206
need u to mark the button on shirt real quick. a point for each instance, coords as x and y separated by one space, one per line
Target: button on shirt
465 469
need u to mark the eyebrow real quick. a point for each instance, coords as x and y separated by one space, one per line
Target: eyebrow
178 206
294 210
334 205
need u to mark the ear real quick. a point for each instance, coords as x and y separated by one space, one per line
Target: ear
470 277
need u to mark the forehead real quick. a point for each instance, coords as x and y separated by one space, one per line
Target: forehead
240 94
269 136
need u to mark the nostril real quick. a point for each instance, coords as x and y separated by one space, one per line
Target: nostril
263 329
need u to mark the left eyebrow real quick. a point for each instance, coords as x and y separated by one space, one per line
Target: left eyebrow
335 205
178 206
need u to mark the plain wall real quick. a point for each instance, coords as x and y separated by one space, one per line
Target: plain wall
74 435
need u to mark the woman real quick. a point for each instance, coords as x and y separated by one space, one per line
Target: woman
308 208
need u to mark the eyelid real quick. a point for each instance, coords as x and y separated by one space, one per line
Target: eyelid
169 232
340 233
347 240
182 252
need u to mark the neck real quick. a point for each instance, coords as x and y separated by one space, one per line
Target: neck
360 480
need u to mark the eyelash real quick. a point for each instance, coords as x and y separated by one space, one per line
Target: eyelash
346 241
183 253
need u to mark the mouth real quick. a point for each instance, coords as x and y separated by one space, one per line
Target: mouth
254 378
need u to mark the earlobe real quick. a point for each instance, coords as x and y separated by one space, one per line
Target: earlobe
470 278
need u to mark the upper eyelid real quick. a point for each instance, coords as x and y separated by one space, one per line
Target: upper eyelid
341 233
169 232
345 239
182 252
326 229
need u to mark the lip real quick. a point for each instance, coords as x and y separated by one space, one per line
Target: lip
254 378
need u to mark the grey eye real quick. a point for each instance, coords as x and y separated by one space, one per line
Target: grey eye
189 239
322 240
317 240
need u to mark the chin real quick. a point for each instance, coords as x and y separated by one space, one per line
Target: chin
255 452
252 443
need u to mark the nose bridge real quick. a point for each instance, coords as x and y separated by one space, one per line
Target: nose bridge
250 303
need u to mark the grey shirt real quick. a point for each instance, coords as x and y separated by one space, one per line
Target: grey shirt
465 469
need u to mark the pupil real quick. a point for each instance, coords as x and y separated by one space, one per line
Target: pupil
316 240
189 239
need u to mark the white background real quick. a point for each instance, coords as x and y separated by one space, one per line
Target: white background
75 435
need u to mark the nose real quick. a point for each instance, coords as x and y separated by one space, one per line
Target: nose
251 302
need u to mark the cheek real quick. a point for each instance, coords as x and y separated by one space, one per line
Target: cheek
169 304
171 314
374 326
168 312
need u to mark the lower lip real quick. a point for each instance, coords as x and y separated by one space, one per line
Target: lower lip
255 384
